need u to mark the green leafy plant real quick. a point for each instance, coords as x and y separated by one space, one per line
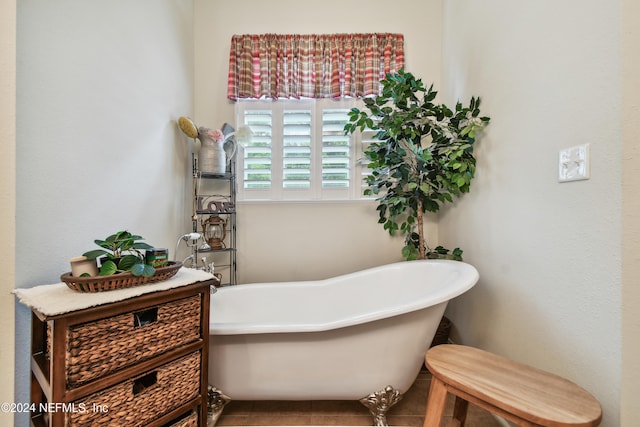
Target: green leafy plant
122 252
441 252
423 156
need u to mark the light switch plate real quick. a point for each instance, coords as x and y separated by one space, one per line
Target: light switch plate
573 163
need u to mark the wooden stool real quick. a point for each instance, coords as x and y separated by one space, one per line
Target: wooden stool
524 395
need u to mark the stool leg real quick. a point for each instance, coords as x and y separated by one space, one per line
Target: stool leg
460 412
435 404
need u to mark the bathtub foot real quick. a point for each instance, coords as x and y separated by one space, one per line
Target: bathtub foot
380 402
216 401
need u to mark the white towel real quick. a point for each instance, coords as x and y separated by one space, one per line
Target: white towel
58 298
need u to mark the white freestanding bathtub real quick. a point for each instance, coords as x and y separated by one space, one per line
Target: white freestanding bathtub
361 336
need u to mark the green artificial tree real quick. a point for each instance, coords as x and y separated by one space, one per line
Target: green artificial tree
423 156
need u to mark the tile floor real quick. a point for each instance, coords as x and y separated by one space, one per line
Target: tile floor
408 412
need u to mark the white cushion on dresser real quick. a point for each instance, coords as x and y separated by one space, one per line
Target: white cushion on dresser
58 298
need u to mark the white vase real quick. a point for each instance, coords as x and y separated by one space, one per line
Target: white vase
81 265
212 157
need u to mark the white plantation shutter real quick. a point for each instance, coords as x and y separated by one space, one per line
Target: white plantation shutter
257 153
298 151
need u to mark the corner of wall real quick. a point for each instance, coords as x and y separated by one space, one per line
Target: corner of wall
630 387
7 199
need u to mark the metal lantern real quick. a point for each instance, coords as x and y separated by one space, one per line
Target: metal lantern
214 230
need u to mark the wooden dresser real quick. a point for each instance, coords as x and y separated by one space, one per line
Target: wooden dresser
141 361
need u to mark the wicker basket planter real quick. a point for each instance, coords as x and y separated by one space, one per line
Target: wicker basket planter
118 281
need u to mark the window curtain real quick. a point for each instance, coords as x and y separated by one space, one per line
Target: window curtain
311 66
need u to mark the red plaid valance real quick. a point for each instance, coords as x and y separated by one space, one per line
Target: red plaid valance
311 66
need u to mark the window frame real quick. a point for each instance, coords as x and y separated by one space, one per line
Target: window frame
316 193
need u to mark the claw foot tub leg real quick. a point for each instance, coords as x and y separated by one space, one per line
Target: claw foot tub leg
380 402
216 401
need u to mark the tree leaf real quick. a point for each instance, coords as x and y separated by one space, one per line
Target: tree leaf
141 245
137 269
143 270
95 253
108 268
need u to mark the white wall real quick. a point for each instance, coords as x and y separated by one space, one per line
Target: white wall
537 66
7 199
306 241
549 254
99 87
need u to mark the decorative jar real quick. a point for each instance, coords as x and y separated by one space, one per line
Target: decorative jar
81 265
212 157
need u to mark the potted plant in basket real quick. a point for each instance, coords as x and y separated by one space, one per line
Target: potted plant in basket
121 252
423 156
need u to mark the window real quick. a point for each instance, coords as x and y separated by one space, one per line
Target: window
298 151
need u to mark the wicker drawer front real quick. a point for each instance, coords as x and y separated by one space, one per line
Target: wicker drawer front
138 401
189 421
97 348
